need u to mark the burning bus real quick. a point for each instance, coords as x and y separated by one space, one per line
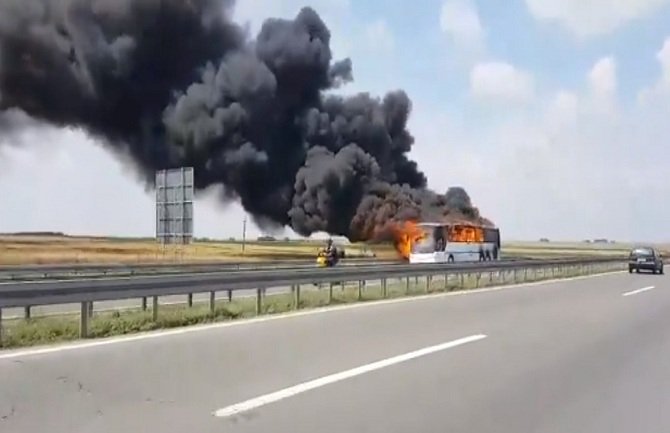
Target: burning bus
448 243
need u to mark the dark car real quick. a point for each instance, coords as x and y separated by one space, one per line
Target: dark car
645 258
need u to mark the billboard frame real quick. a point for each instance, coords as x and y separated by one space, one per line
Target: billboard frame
174 205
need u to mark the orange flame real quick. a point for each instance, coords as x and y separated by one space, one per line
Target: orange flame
405 234
465 233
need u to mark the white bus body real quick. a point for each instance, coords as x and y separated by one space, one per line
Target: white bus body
435 247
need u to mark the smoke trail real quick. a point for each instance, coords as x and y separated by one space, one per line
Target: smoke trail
174 82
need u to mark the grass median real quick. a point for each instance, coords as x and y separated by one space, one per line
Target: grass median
54 329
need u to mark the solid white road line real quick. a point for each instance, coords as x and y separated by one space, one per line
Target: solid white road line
635 292
327 380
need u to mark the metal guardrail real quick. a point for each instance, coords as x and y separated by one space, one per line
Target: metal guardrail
10 272
92 270
85 292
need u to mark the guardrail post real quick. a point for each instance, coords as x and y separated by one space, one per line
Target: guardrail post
90 309
83 320
190 300
330 293
26 312
259 301
230 295
0 327
212 302
296 296
360 290
462 278
479 277
144 303
407 286
446 281
384 291
154 308
428 281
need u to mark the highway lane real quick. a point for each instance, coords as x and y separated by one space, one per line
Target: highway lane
588 368
560 356
9 274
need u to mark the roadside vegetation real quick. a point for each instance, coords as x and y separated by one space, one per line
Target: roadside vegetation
57 249
53 329
31 249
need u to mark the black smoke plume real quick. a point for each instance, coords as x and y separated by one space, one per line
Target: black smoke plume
177 83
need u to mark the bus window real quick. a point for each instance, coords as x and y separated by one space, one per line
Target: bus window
492 235
466 234
424 245
479 235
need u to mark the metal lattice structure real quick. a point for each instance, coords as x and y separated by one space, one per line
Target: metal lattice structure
174 206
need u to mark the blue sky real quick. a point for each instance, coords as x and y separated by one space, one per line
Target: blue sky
552 113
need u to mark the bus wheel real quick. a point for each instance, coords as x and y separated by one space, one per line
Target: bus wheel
450 259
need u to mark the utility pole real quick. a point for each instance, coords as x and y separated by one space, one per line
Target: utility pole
244 234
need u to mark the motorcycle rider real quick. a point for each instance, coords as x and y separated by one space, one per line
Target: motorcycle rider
331 251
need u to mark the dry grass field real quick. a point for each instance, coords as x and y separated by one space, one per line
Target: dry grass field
548 249
44 249
23 250
563 249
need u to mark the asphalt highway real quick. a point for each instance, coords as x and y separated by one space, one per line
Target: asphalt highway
586 355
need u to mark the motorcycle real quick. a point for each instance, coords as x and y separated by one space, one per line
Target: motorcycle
325 259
